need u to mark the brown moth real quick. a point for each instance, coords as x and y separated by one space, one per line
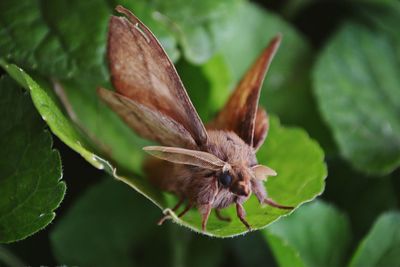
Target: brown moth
211 167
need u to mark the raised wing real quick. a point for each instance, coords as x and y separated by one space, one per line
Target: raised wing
241 114
141 71
148 123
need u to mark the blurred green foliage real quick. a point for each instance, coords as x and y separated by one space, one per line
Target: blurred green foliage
336 75
316 235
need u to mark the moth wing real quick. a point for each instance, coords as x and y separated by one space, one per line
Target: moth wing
241 113
148 123
141 70
187 156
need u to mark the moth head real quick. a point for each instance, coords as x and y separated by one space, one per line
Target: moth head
238 178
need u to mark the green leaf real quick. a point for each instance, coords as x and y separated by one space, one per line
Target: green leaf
40 49
381 247
112 226
315 235
357 86
30 170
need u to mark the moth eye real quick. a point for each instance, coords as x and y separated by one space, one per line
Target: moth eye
225 179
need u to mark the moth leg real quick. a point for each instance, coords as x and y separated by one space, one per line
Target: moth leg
178 204
261 194
272 203
167 216
205 211
187 208
222 217
241 213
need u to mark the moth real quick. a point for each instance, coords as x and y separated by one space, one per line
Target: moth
209 167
